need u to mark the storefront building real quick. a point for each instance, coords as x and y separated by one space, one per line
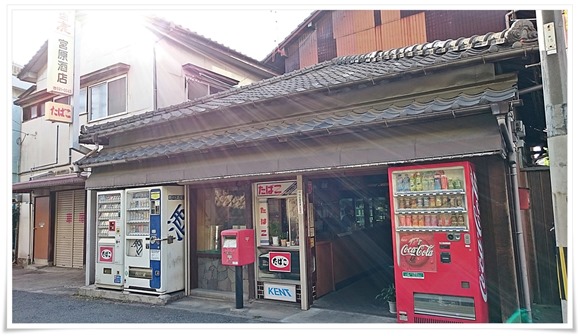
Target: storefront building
304 157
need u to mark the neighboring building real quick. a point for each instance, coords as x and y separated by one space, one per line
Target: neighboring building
301 149
125 71
18 87
327 34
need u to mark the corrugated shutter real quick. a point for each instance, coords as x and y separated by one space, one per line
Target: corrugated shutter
365 41
79 229
64 229
413 29
390 16
391 35
70 228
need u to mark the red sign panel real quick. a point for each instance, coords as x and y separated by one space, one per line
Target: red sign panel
111 225
417 252
279 261
106 254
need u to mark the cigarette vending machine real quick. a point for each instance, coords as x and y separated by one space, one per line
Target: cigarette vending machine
110 239
437 234
155 239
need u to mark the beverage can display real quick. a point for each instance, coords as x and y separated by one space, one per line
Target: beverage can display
415 220
444 181
446 220
438 201
460 220
426 181
413 202
445 201
406 183
399 181
408 220
453 220
407 202
451 201
459 201
400 203
436 181
434 220
419 202
427 220
418 182
426 201
459 184
402 220
421 220
432 202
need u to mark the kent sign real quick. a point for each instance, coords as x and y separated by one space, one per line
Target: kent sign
61 55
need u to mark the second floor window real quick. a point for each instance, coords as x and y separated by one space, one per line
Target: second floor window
107 98
196 89
200 82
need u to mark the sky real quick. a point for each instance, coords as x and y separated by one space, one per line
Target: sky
253 32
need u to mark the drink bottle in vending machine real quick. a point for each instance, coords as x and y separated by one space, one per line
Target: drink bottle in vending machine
439 273
155 239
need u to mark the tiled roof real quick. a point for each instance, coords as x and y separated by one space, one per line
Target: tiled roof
339 73
303 126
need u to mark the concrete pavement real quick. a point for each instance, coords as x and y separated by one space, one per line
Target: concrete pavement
57 280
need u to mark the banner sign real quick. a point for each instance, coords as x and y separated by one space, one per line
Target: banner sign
61 55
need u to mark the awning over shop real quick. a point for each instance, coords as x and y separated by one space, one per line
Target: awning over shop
62 180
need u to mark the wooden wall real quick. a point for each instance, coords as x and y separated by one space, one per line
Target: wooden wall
352 32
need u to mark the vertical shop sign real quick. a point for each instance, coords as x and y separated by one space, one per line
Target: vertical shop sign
263 224
61 55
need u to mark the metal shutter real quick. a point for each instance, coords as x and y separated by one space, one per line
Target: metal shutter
79 229
64 228
70 228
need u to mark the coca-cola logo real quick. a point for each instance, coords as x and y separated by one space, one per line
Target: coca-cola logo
417 251
477 220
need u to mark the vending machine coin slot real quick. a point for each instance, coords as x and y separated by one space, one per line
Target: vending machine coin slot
445 245
453 236
465 284
467 239
445 257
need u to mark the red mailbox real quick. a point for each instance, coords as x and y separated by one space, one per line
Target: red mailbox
238 247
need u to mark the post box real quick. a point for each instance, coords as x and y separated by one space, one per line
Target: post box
238 247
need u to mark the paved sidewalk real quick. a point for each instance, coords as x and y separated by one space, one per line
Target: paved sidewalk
57 280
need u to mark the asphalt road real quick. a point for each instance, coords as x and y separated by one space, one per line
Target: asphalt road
30 307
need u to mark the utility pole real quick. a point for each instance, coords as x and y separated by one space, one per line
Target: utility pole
553 60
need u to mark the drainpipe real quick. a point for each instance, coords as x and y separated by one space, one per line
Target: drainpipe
504 117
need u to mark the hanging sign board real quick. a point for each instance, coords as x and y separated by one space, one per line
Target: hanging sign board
58 112
61 55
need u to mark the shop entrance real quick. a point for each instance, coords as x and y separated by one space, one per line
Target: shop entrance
353 250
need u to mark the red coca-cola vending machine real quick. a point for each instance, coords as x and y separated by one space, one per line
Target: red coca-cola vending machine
439 267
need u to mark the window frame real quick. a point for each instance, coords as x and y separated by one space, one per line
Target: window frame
105 82
214 81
